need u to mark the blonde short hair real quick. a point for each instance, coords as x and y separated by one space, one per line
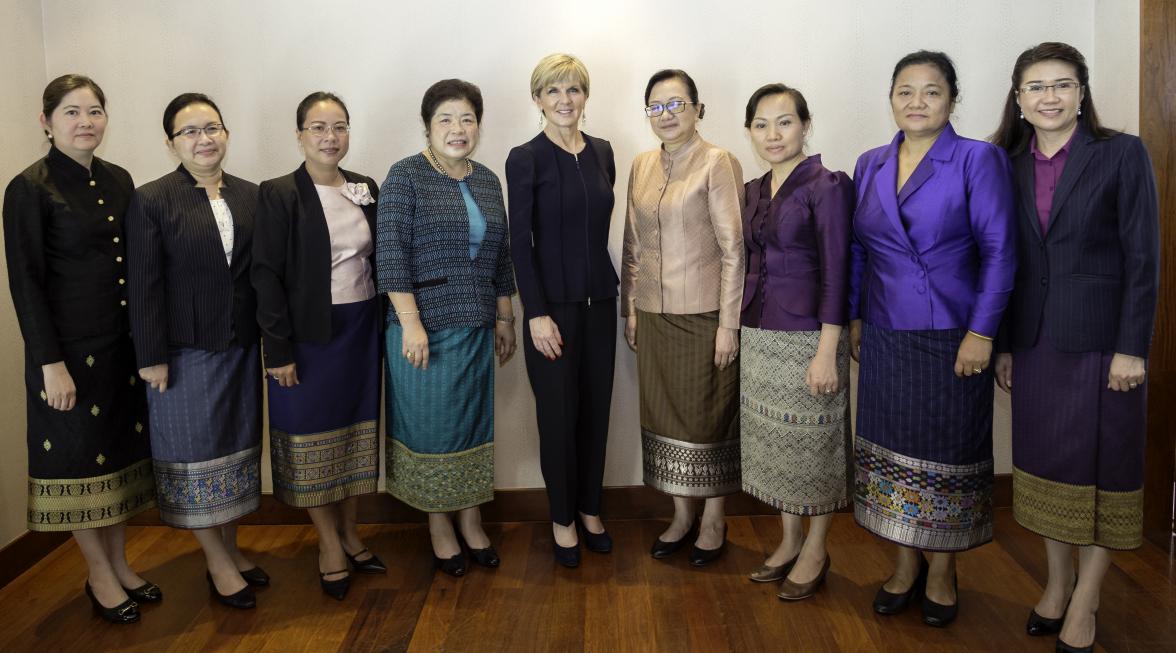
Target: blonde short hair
558 67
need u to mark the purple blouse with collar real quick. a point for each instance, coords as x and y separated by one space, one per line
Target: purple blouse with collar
1047 171
797 249
941 253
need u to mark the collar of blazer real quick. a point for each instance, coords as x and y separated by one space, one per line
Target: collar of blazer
308 195
542 143
886 175
1080 154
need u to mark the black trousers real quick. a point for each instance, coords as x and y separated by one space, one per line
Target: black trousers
573 395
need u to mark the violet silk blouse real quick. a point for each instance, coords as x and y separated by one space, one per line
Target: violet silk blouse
940 253
797 249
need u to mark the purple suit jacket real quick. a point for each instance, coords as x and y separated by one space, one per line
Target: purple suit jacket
940 254
797 249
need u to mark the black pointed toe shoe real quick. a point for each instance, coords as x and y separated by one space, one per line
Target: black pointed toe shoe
1038 625
703 557
454 566
595 542
568 556
243 599
937 614
372 565
663 549
256 577
336 589
486 557
889 603
145 593
126 612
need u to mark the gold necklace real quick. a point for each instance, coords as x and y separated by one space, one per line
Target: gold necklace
437 164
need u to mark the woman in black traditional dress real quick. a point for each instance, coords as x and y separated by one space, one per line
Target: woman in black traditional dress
89 457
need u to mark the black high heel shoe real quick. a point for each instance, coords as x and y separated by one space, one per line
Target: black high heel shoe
455 566
256 576
938 614
702 557
372 565
486 557
1039 625
663 549
126 612
243 599
336 589
595 542
145 593
1062 647
568 556
889 603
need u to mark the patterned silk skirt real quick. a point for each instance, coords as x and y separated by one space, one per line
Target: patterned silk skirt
1078 449
689 407
90 466
440 440
795 447
923 453
206 437
324 440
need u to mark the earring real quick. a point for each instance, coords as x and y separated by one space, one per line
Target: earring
1021 115
583 119
1079 110
540 120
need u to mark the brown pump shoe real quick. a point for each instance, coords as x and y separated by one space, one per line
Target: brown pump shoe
790 591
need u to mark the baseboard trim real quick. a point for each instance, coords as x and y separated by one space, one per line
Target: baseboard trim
26 551
523 505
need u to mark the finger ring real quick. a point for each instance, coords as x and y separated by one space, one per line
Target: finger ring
410 354
1134 385
976 370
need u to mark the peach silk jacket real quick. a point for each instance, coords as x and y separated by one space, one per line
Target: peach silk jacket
683 251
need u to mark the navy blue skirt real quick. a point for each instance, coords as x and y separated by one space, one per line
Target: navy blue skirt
923 450
324 441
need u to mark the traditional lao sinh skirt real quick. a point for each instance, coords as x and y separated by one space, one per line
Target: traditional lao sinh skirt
795 447
1078 449
689 407
90 466
206 437
324 434
440 450
923 453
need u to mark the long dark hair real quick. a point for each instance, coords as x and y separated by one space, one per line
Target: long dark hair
1014 132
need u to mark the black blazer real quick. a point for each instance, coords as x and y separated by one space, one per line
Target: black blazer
1095 273
182 293
557 257
66 251
292 262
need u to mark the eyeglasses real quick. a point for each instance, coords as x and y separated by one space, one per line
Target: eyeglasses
1060 88
673 106
320 129
210 130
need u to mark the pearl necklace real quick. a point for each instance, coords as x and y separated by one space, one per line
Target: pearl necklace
437 164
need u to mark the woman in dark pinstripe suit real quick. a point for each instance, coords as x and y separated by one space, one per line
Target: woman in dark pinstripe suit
1077 332
193 316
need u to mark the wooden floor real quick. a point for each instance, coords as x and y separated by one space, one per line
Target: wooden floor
624 601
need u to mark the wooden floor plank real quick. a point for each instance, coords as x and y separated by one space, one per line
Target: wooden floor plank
623 601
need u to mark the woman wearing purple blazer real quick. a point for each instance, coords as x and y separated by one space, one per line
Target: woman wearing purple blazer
1077 332
794 378
932 266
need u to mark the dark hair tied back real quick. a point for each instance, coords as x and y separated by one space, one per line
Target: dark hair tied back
181 102
450 89
673 73
313 99
768 90
929 58
57 89
1014 132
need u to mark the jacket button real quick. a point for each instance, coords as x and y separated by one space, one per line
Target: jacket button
914 259
922 273
1045 281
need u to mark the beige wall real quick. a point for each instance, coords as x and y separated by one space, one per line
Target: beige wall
259 58
22 58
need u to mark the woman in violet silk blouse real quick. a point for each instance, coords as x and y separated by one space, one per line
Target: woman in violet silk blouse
931 271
